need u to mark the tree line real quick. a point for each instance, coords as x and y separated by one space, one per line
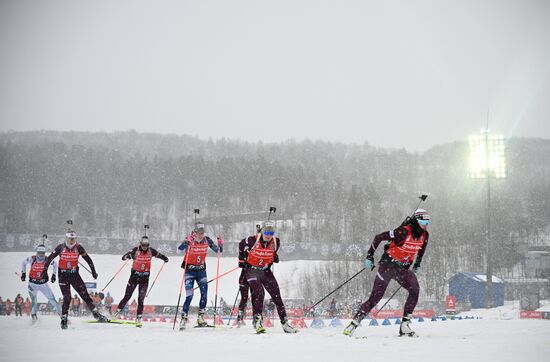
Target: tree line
113 183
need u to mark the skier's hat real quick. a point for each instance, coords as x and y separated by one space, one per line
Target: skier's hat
421 214
40 249
268 228
199 228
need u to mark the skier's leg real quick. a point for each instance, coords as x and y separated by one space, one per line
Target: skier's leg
385 273
272 287
141 296
257 291
202 281
407 279
130 287
243 289
383 277
79 286
65 286
47 292
189 281
34 297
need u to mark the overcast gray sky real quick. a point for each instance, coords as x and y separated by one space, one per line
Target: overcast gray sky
392 73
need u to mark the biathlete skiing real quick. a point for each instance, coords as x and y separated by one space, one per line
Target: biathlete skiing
139 275
195 248
244 287
405 247
38 280
258 253
69 253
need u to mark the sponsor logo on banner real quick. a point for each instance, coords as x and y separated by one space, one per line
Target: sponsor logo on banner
528 314
385 314
450 303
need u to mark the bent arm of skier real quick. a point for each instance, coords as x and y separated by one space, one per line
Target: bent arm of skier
396 236
130 254
86 257
52 256
420 254
214 246
156 254
243 253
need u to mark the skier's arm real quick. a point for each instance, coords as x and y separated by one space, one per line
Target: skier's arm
421 253
397 236
243 252
277 245
24 264
130 254
54 267
182 248
52 256
156 254
86 257
214 246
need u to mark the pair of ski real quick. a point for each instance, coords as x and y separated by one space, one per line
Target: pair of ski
114 321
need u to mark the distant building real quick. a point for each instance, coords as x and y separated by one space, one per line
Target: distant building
472 288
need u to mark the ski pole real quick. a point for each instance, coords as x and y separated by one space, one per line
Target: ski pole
114 276
234 304
181 288
217 284
340 286
224 274
154 281
387 301
82 265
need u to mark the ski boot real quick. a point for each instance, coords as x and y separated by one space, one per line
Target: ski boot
258 324
34 317
287 327
200 320
100 317
183 321
138 321
64 319
240 319
405 328
348 331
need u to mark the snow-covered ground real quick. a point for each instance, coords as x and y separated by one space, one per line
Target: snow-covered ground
166 289
489 339
498 336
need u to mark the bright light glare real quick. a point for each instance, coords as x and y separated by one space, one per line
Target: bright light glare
487 156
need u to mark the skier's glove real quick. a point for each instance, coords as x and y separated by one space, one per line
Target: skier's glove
53 278
182 264
94 274
46 277
23 277
369 263
190 238
125 256
220 241
164 258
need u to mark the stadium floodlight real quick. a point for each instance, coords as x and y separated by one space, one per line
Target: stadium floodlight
487 155
488 160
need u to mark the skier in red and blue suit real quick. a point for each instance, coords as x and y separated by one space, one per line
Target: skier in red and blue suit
405 248
195 248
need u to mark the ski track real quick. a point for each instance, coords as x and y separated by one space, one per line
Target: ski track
466 340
